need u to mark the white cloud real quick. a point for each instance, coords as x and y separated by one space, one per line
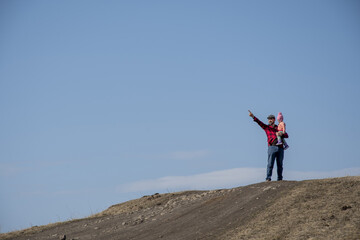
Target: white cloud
298 175
211 180
225 179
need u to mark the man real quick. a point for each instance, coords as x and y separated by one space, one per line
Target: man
274 151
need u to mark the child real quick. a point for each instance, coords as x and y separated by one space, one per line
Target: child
281 129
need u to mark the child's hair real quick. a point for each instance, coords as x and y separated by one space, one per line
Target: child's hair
280 117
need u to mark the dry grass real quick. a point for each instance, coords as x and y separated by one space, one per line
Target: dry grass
143 203
320 209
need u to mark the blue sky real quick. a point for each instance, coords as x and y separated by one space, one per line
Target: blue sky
106 101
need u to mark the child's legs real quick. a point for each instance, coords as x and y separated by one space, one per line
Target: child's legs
279 137
281 140
284 142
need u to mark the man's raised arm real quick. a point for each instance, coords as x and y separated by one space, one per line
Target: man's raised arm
261 124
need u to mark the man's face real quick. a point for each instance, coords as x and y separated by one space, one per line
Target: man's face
271 121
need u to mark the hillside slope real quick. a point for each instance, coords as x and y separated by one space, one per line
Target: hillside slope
314 209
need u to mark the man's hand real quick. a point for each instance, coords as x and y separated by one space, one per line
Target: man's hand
251 114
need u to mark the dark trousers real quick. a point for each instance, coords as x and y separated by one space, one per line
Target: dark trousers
275 152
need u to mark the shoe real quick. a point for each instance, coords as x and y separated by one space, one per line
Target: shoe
268 180
279 143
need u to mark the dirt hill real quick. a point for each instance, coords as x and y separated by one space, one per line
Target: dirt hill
314 209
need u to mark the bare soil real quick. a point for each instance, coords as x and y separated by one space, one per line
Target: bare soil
314 209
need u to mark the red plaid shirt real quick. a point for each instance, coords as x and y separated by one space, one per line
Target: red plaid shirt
269 130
